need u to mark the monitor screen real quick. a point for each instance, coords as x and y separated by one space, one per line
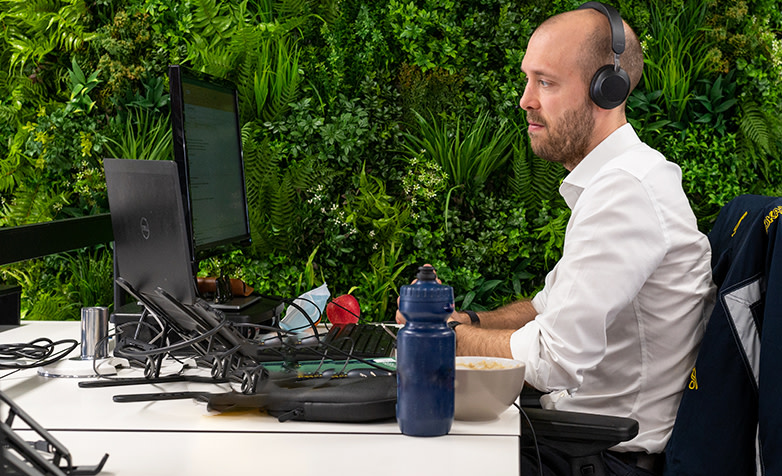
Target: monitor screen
208 150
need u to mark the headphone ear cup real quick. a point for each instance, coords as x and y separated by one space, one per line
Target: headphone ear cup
609 87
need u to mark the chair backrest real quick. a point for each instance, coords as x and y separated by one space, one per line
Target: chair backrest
729 421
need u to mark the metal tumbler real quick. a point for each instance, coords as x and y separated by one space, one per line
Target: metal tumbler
94 330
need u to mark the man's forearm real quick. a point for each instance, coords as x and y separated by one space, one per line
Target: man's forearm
511 317
483 342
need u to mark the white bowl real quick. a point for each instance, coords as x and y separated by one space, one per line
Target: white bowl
484 387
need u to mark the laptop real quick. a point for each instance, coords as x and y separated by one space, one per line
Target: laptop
150 237
151 242
152 249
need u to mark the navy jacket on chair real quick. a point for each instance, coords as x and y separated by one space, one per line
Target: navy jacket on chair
730 419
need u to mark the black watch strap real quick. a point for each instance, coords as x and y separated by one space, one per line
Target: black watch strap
474 319
453 324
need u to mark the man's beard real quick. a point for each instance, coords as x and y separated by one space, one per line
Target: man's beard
566 142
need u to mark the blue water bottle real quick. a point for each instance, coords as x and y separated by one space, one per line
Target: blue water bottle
425 357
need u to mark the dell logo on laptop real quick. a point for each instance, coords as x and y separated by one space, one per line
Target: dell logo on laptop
144 228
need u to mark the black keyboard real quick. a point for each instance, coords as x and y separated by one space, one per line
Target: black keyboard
362 340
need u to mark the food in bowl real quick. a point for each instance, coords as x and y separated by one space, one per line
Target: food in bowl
486 386
484 364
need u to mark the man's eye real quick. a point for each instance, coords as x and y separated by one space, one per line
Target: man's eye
544 83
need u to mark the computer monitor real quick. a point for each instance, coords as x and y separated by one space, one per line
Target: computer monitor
208 150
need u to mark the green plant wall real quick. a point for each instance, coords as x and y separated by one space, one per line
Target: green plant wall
378 135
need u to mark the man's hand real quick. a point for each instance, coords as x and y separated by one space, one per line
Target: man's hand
400 319
456 316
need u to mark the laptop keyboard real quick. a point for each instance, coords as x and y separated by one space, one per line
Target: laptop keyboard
365 341
362 340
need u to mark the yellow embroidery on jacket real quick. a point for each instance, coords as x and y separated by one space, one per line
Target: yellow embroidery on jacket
772 215
693 380
739 223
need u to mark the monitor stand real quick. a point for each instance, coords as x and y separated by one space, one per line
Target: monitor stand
236 303
257 309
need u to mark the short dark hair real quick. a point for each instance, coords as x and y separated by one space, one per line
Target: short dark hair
598 53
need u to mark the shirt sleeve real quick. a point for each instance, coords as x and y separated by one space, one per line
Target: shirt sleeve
614 242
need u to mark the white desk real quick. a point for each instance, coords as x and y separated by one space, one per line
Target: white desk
181 437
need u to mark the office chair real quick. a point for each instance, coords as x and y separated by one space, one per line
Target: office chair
729 421
581 436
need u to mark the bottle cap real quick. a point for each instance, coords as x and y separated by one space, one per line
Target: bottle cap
426 273
426 288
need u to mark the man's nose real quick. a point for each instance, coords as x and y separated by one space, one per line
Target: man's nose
528 100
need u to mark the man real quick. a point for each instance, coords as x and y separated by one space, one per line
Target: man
617 326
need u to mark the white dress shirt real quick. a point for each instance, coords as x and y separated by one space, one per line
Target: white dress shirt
620 317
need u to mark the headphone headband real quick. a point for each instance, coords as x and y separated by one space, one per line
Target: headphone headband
617 28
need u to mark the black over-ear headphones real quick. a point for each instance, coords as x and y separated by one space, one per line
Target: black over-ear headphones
610 84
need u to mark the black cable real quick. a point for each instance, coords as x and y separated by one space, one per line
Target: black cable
312 324
344 308
9 373
30 350
160 329
223 322
179 345
534 440
119 330
348 355
141 354
37 354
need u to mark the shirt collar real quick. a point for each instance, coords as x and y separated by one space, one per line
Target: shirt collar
612 146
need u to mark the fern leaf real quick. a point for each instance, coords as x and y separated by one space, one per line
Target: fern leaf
291 8
546 179
534 180
754 127
329 11
10 172
260 168
519 181
282 206
302 175
33 205
211 20
50 306
7 114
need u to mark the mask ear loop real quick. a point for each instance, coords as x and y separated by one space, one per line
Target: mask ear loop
312 324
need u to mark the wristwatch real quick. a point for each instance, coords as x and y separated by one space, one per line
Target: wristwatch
474 319
453 324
